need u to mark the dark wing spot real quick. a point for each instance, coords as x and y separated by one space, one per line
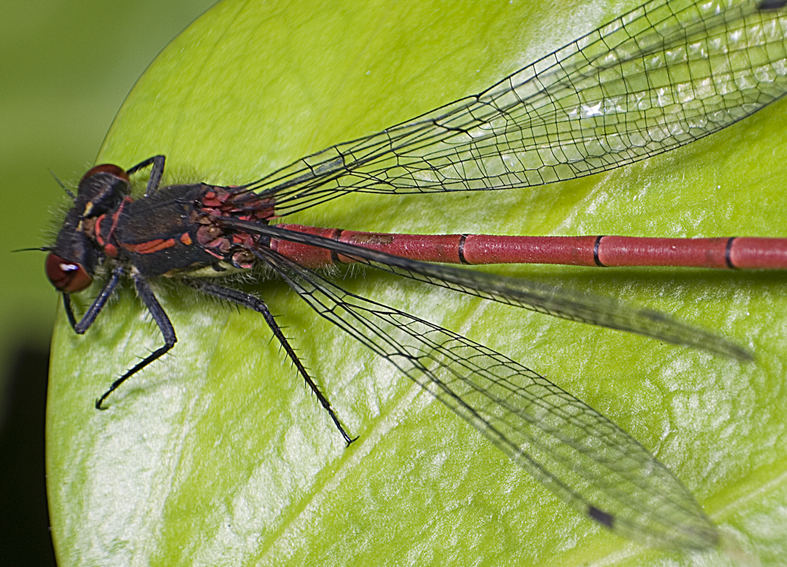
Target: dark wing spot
604 518
771 4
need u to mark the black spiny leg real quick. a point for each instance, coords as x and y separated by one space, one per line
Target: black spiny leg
98 303
164 324
155 172
258 305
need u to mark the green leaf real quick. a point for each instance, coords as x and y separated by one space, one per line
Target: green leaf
219 455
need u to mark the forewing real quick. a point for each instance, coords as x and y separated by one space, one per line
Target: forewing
654 79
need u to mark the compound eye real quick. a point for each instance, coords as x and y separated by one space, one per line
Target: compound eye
109 168
66 276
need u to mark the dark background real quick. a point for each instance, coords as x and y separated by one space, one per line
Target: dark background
65 69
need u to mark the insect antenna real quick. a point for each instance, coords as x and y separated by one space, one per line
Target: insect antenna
62 185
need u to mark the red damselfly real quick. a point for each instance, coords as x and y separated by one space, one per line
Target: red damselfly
654 79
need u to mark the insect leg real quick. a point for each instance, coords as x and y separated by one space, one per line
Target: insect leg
255 303
164 324
155 172
97 305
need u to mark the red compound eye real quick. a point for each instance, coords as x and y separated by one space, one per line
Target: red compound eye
66 276
109 168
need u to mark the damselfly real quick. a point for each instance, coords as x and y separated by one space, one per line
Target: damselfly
658 77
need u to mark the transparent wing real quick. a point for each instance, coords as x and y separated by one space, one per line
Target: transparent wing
520 292
584 458
656 78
